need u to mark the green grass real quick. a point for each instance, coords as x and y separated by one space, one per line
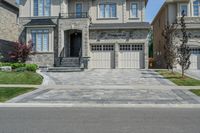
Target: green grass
177 78
20 78
197 92
9 93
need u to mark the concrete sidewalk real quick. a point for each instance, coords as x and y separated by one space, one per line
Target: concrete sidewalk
101 86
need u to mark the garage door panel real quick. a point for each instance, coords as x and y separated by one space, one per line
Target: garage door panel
103 56
131 56
195 59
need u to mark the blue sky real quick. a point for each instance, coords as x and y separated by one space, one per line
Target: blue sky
152 9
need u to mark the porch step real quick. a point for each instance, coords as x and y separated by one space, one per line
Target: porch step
70 62
64 69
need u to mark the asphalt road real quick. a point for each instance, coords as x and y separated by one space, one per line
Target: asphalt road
99 120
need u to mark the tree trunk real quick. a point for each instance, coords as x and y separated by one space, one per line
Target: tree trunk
182 72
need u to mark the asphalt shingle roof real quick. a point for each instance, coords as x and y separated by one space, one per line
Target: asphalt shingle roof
37 22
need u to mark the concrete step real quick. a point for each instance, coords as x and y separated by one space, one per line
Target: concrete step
69 65
70 62
70 59
64 69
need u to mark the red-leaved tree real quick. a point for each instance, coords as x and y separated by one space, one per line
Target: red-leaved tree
20 51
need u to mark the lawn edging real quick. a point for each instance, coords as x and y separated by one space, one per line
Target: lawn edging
177 78
46 79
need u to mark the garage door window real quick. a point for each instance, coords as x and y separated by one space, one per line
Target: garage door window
125 47
102 47
131 47
195 50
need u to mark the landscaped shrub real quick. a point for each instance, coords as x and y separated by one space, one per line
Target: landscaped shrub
20 69
13 65
20 66
21 51
31 67
17 65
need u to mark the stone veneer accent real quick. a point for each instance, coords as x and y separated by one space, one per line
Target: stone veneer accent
74 24
42 59
117 37
88 37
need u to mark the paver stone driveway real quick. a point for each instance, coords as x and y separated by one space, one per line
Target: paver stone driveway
109 77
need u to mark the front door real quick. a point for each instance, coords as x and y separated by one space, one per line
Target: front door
75 44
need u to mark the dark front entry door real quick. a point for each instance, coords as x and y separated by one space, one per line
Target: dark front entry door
75 45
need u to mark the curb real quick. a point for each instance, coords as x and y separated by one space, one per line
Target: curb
33 105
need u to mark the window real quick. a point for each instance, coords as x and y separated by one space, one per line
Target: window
42 8
40 39
196 8
134 10
184 8
78 10
108 11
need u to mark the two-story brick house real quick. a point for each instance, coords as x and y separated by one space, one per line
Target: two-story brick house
168 14
96 33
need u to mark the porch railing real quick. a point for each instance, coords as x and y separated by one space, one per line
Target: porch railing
74 15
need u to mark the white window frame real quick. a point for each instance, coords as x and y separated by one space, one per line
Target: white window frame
51 39
183 4
130 12
32 10
193 9
106 3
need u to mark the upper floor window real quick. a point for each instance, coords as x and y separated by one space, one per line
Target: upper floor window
42 8
78 10
134 10
184 9
108 10
196 8
40 39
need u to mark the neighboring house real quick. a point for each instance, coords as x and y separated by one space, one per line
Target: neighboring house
169 12
8 27
89 33
8 20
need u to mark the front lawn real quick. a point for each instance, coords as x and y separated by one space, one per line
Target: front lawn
20 78
9 93
177 78
197 92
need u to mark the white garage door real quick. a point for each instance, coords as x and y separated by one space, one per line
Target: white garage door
195 58
131 56
102 56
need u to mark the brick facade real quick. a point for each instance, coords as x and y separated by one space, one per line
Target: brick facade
8 23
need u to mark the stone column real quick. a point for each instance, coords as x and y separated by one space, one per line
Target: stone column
146 55
116 55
